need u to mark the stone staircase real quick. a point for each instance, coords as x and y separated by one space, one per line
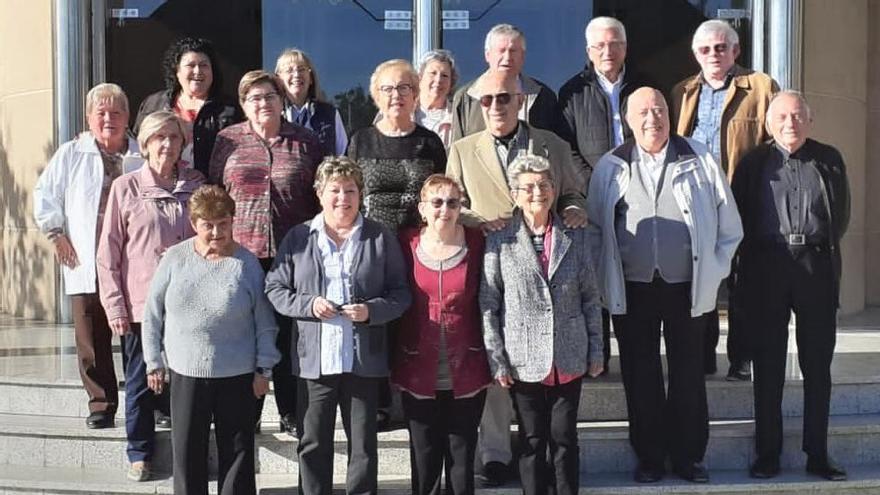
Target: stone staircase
46 448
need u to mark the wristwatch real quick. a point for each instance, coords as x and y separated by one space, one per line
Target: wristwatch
265 372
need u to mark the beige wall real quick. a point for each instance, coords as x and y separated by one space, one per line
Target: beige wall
27 270
872 172
835 83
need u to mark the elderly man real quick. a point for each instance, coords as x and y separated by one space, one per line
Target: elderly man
593 103
505 52
793 197
664 229
723 107
479 162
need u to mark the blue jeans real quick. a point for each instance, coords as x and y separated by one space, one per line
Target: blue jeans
140 402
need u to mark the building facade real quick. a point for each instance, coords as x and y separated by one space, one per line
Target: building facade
52 51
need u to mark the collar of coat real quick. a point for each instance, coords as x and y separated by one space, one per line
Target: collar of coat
678 149
740 79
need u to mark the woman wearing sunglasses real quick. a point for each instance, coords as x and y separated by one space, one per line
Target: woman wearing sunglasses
439 361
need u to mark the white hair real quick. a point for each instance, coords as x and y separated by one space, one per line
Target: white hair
525 163
787 92
715 26
603 23
506 30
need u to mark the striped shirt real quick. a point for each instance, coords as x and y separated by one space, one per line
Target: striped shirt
270 182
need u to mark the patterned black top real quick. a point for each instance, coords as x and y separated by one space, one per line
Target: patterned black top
394 170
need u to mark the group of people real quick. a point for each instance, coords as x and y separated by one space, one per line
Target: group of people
472 248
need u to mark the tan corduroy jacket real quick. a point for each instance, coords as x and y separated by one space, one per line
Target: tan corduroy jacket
742 119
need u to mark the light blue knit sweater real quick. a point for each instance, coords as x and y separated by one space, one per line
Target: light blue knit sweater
211 318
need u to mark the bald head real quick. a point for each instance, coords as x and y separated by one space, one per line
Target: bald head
500 100
648 116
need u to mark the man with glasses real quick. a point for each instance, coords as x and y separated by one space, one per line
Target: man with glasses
723 107
505 52
479 163
793 196
593 103
663 228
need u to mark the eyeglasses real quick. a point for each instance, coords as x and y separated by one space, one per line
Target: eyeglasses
718 49
402 89
501 98
611 45
261 97
298 69
543 186
451 203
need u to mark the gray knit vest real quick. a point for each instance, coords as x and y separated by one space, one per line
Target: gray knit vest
651 233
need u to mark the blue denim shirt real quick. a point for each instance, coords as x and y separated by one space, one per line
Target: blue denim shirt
707 128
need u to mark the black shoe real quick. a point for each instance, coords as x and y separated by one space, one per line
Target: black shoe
764 469
648 473
825 468
494 474
98 420
258 427
288 423
739 372
383 420
694 472
163 420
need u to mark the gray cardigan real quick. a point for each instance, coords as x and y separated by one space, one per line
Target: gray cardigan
379 279
529 322
210 317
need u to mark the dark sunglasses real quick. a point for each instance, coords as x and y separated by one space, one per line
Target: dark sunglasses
719 49
501 98
451 203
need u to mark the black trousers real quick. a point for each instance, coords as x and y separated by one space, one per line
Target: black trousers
230 402
606 338
738 351
443 430
283 382
547 416
94 352
357 398
660 422
783 280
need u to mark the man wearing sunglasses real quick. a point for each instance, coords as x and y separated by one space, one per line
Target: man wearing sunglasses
505 52
479 163
723 107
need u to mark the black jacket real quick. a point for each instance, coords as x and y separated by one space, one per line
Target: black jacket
213 117
586 116
835 187
467 116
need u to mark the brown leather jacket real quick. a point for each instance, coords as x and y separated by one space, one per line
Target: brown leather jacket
742 119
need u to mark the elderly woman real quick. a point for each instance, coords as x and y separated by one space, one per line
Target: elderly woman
439 361
268 166
341 277
208 313
69 203
146 214
542 324
437 78
396 154
304 103
192 92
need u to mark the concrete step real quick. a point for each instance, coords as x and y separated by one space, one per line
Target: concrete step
18 480
601 399
65 442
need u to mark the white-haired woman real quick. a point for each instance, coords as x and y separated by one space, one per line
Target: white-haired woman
542 324
146 214
69 203
437 78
